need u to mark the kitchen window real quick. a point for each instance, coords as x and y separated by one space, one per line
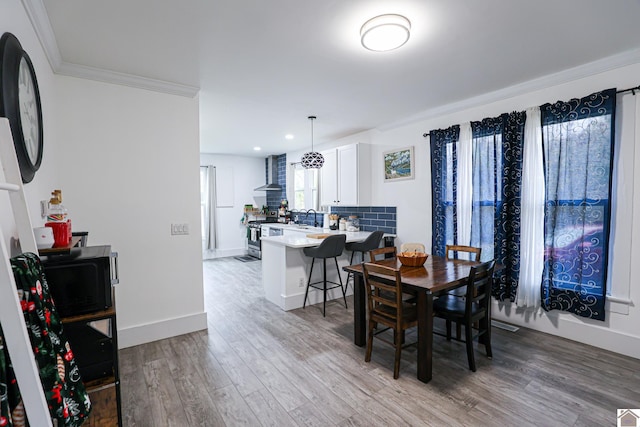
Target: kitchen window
305 188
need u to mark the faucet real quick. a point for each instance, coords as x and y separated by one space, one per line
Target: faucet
315 219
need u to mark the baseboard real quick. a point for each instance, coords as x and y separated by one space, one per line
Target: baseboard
566 326
142 334
223 253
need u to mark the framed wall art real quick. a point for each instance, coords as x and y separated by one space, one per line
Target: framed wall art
398 164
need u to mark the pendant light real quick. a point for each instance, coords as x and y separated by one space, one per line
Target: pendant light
312 159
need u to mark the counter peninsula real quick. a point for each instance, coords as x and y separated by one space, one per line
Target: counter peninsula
285 267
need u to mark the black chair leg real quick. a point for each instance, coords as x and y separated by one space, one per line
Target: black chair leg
349 273
468 330
485 327
343 288
306 292
324 285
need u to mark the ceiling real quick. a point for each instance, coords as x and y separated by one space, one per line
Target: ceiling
262 67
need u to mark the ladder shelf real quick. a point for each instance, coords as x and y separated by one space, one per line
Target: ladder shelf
11 317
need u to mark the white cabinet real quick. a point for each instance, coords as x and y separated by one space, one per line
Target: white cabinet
345 176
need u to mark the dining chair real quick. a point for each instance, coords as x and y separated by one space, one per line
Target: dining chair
386 307
386 252
412 247
370 243
331 247
475 307
453 252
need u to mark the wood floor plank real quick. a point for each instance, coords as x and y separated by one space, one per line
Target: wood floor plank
134 392
268 410
277 384
165 408
233 408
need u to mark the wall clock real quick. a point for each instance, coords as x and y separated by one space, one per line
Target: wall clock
20 103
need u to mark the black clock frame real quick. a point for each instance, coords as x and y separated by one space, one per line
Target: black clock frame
11 53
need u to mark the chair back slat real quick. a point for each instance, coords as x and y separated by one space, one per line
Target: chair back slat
457 249
382 252
479 285
412 247
384 291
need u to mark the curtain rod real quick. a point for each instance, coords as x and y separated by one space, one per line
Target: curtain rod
631 89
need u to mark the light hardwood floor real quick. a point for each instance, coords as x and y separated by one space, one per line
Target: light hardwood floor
257 365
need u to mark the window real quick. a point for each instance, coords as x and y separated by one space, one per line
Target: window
305 188
577 145
576 140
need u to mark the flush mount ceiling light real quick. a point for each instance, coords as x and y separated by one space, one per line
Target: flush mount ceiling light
312 159
385 32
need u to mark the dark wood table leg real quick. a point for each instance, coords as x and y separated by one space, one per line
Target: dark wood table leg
425 336
359 312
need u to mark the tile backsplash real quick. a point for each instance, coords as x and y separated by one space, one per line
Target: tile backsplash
371 218
275 197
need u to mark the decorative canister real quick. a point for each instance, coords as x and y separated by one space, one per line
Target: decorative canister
343 224
353 223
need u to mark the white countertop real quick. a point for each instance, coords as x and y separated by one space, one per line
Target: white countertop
302 241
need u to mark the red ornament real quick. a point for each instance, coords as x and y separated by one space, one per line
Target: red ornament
68 356
3 421
32 306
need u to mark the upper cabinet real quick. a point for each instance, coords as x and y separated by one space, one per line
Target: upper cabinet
345 176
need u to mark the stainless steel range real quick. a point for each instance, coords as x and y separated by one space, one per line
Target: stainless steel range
254 246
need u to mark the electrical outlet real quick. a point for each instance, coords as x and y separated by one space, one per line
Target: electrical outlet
43 208
179 229
301 282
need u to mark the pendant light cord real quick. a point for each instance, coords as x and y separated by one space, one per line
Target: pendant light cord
312 118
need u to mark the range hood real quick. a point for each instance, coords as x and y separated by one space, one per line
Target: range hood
272 176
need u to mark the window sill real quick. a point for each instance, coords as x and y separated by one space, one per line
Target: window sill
618 305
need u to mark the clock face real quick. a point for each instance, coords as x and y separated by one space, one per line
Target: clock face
28 111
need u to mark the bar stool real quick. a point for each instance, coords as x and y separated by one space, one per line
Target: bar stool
331 247
370 243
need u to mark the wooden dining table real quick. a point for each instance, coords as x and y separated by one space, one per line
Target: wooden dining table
437 276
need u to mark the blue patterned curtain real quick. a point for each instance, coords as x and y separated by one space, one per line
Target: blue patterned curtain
497 179
443 185
578 138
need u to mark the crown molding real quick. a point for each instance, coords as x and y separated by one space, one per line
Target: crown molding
592 68
40 21
124 79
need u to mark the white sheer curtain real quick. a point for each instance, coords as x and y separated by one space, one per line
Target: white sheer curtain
208 206
465 184
532 220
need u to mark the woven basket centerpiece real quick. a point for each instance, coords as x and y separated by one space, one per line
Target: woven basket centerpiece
412 259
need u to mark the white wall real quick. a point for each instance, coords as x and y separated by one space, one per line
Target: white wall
13 19
243 174
128 170
619 332
126 162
